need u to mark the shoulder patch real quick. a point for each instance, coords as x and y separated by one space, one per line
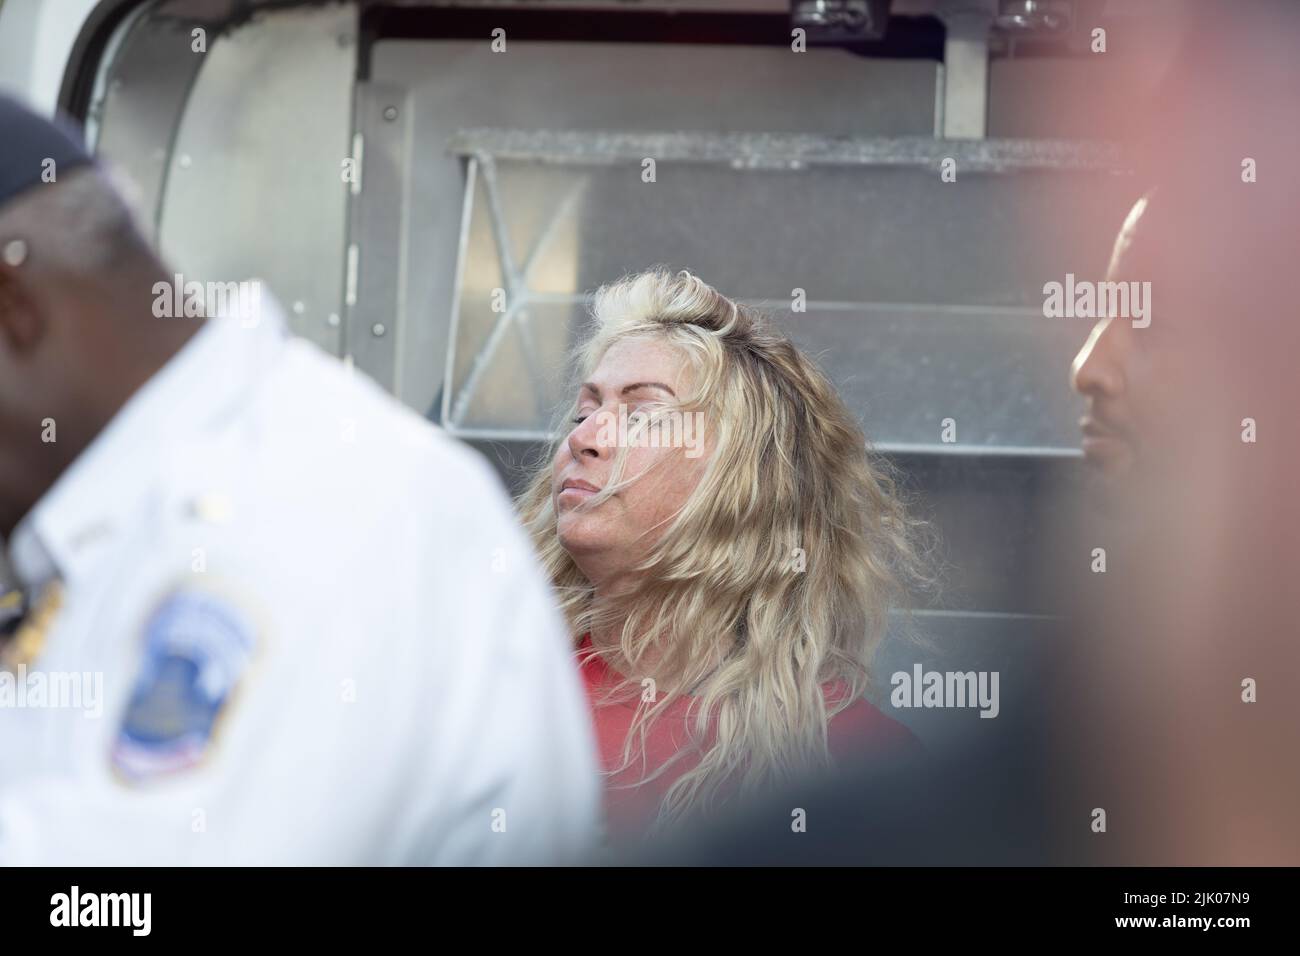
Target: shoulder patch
197 646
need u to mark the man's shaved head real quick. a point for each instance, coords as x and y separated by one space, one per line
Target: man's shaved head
77 332
81 226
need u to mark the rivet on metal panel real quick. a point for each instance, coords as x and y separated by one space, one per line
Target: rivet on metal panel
378 329
390 113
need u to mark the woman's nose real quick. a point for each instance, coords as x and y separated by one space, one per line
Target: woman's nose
1097 369
587 438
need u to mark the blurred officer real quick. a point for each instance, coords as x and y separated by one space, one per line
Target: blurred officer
11 599
269 616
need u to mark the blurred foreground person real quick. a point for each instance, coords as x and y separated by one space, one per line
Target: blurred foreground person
725 549
1184 685
254 631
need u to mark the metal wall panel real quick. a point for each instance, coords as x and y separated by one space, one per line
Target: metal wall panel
255 185
592 86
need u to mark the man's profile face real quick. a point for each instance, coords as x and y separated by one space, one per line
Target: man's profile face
1116 370
17 391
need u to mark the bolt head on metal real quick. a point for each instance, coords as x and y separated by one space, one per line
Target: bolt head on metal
390 113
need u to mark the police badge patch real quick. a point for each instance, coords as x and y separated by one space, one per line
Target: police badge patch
197 646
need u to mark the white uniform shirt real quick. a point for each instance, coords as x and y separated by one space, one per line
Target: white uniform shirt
394 685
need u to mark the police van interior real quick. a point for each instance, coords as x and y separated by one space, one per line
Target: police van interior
438 214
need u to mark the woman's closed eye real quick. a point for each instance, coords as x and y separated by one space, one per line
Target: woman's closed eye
633 411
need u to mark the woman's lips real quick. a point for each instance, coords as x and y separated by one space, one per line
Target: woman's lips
577 490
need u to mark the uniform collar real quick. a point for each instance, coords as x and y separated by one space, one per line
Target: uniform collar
87 505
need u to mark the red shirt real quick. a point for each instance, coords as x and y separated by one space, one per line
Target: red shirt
631 806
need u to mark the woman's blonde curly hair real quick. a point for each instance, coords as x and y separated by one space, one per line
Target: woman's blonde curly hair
789 554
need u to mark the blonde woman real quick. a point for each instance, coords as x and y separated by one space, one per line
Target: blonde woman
724 549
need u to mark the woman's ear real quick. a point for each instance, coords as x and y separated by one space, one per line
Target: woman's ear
21 319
